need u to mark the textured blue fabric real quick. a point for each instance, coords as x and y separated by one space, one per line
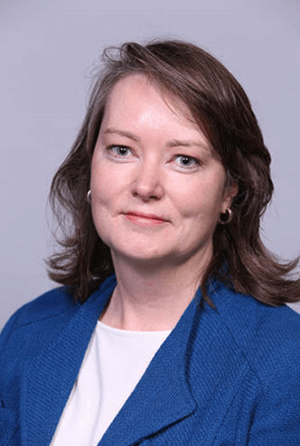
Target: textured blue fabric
224 376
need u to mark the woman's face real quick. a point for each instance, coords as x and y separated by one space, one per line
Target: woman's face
157 190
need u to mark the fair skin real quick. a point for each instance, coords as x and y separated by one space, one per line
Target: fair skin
157 192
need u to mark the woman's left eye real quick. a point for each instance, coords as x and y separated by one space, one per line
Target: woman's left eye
186 161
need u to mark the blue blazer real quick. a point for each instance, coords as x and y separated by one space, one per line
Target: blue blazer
224 376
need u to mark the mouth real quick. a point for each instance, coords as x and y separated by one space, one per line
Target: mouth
142 219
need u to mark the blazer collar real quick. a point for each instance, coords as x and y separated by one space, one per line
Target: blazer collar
162 396
198 368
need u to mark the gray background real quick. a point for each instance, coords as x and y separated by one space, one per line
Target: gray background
48 50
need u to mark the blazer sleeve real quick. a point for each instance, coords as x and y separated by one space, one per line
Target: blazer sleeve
8 414
276 420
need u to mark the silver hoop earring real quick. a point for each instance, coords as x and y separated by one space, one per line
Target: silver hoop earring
226 218
88 197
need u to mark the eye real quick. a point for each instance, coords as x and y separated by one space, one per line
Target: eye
119 151
186 161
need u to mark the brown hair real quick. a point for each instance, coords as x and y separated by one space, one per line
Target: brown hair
222 110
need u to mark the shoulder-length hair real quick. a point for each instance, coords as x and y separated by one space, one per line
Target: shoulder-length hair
223 112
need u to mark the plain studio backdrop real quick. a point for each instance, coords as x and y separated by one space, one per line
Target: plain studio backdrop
49 50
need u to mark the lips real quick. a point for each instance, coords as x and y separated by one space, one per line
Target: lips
142 219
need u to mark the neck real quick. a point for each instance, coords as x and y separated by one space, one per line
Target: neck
152 297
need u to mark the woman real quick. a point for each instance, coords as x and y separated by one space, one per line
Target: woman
170 328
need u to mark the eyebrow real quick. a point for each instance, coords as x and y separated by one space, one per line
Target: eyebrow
123 133
178 143
171 143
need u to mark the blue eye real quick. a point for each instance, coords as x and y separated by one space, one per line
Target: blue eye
186 161
120 151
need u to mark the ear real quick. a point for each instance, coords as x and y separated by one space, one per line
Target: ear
229 194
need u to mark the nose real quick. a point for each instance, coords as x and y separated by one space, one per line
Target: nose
147 183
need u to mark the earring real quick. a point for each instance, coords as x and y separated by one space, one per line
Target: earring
226 218
88 197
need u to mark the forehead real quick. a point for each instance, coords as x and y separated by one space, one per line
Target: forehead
137 96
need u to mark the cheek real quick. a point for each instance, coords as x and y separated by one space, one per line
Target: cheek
199 200
102 184
101 204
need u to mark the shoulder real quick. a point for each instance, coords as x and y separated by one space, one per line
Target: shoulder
46 305
268 337
44 314
38 321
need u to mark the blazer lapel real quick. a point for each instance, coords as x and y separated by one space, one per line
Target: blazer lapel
162 396
49 378
199 368
216 369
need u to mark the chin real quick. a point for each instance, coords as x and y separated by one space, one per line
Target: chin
139 254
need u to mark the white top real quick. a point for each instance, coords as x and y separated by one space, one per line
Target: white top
113 364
